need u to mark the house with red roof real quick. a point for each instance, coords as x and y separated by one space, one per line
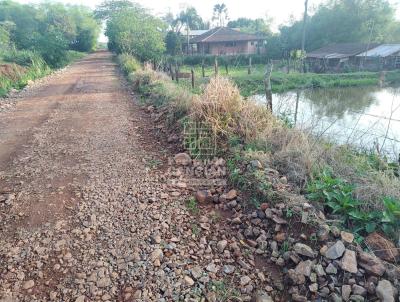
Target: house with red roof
227 41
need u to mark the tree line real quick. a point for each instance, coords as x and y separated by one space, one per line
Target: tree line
340 21
132 29
47 29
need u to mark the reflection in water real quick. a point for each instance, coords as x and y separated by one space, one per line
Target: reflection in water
337 102
365 117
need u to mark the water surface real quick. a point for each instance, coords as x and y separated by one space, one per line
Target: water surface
366 117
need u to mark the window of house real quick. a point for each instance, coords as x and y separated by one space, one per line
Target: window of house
230 44
252 43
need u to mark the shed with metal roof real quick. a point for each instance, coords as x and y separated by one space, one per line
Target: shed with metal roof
382 51
336 57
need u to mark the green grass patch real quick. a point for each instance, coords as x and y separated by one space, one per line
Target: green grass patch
223 290
128 63
251 84
191 205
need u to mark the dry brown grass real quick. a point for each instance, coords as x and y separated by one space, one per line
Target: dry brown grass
223 108
256 122
219 106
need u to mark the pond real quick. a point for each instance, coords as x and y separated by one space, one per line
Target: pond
366 117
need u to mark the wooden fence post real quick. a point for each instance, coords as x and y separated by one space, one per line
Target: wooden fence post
226 68
382 76
249 69
216 66
192 72
203 72
267 84
177 74
297 107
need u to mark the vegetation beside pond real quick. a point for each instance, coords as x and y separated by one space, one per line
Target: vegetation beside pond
351 186
252 84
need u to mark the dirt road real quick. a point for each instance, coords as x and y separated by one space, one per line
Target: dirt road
72 164
86 213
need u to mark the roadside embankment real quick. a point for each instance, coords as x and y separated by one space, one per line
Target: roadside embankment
280 172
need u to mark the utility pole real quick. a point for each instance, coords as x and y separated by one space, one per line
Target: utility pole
184 8
303 38
267 85
187 33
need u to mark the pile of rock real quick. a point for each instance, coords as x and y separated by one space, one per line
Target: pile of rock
315 261
319 262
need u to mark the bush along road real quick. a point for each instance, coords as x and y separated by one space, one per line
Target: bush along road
100 202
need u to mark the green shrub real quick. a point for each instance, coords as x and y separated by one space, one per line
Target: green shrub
34 68
128 63
391 218
338 196
73 55
21 57
192 206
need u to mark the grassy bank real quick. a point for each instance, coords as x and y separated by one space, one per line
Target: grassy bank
254 83
18 68
357 191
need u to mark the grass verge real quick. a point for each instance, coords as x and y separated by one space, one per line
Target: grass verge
18 68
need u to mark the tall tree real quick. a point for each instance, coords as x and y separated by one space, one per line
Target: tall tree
108 8
133 30
303 37
171 21
191 18
340 21
188 17
220 14
254 26
173 43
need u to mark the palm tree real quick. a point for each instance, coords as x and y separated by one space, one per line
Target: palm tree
220 13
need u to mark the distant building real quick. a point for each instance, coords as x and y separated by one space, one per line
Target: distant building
226 41
193 33
196 32
336 57
382 57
